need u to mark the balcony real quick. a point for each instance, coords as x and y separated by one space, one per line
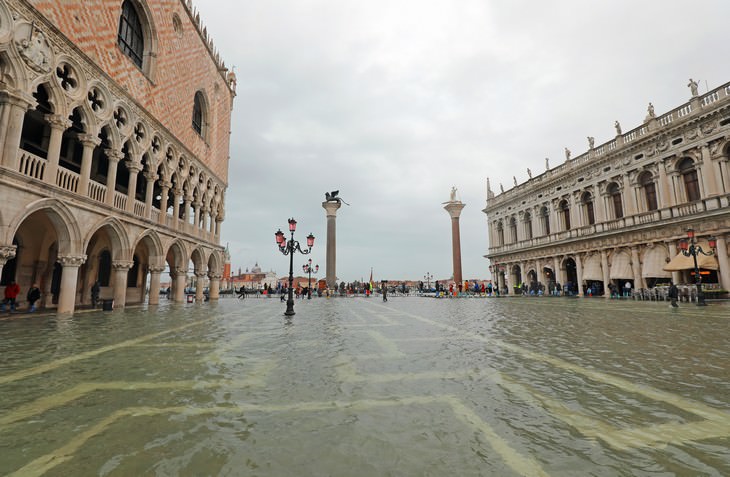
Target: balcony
36 168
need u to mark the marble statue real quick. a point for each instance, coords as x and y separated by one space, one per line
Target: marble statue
591 142
617 125
693 87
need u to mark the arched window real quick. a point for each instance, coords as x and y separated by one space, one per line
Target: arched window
587 200
500 233
199 114
689 177
565 211
647 183
615 194
131 34
513 229
528 226
545 218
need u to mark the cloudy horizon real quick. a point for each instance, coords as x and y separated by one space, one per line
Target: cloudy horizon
395 102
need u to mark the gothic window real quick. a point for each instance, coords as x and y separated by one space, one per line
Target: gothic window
528 226
199 114
545 218
590 215
131 34
615 194
647 183
513 229
689 177
565 211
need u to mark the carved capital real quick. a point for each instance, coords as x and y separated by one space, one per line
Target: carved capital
89 140
179 272
57 121
133 167
165 184
114 155
200 275
155 270
6 253
122 265
72 260
215 277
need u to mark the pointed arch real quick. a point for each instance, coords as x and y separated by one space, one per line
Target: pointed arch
152 241
117 235
64 222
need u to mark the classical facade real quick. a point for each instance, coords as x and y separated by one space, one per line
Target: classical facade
618 212
114 148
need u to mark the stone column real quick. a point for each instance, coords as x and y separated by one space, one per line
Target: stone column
69 279
196 206
155 273
631 205
134 168
636 268
179 279
58 125
672 251
186 209
218 222
111 176
203 218
149 194
177 195
723 262
556 270
121 271
606 274
331 208
710 174
215 287
666 198
89 142
579 273
199 286
454 209
163 201
12 114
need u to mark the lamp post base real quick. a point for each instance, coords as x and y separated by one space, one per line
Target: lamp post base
289 308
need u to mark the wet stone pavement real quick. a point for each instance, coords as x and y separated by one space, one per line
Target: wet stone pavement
358 387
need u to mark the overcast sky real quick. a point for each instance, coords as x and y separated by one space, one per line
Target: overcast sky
393 102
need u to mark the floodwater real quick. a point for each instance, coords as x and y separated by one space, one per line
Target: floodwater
357 387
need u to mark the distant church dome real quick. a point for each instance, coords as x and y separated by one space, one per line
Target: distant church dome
256 268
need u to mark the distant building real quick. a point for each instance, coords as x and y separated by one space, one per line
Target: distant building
114 148
616 213
254 279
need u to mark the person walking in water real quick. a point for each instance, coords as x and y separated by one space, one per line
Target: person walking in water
385 291
34 294
673 294
11 294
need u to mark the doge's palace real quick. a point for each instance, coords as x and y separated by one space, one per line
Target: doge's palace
618 213
114 148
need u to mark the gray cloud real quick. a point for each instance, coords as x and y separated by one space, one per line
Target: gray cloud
394 102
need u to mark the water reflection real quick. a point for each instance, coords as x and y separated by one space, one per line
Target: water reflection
357 387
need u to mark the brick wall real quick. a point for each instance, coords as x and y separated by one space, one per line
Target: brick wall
183 66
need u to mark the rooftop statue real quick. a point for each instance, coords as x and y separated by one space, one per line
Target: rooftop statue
333 197
693 87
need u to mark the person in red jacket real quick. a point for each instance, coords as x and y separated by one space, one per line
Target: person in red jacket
11 294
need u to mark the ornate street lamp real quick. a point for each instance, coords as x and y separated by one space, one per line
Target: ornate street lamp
689 249
428 278
307 267
288 248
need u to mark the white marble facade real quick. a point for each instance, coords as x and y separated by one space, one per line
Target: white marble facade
617 212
